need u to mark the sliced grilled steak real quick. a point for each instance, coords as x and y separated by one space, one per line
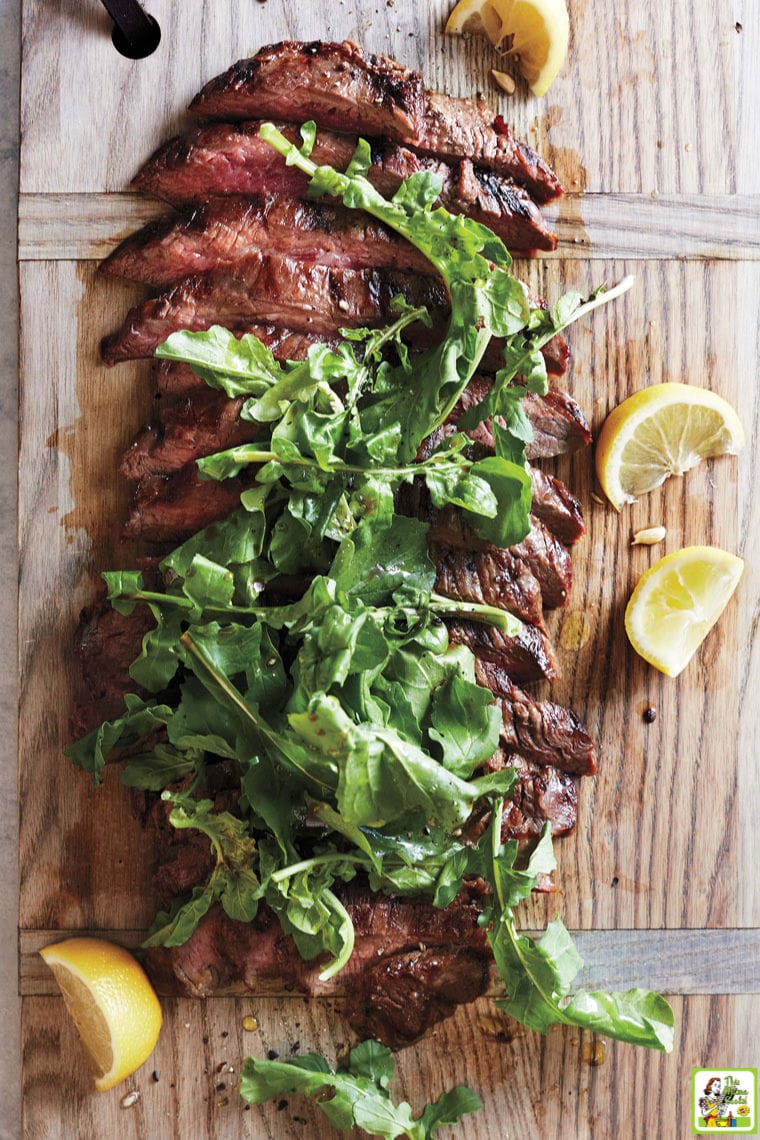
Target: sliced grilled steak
223 953
106 644
559 425
543 554
555 352
398 997
342 88
335 84
179 379
527 657
190 427
307 298
168 510
543 732
492 577
223 231
468 126
556 506
543 794
232 159
549 561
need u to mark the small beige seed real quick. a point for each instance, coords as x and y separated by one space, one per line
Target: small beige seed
649 536
130 1099
504 81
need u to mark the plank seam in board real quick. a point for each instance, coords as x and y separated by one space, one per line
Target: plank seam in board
707 961
85 227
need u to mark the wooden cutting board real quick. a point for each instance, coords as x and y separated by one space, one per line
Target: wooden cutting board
653 129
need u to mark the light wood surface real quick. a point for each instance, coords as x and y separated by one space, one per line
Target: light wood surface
653 128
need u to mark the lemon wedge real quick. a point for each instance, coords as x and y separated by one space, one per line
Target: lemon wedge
662 430
677 602
536 32
111 1002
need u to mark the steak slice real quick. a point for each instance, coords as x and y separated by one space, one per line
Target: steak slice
491 577
174 379
224 231
556 353
543 554
543 794
397 998
200 420
277 290
556 506
189 427
232 159
549 561
542 731
559 425
342 88
336 84
106 644
168 510
527 657
222 953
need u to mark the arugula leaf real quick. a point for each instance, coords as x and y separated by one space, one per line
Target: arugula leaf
140 719
360 1096
233 882
538 974
154 771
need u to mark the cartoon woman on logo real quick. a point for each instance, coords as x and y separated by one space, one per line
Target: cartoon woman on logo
712 1102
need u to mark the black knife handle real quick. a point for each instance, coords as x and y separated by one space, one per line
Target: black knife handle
135 33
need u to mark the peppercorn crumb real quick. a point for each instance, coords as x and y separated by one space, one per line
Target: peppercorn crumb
650 715
154 1075
272 1054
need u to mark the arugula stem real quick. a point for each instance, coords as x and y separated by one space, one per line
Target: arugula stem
595 303
247 453
506 914
319 861
476 611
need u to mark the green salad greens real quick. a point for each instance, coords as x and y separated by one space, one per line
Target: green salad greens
360 1096
359 732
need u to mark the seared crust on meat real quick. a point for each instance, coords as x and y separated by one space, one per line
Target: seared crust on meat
336 84
228 159
277 290
224 231
342 88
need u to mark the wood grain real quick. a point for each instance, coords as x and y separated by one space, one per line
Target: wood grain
81 227
660 100
533 1088
671 961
